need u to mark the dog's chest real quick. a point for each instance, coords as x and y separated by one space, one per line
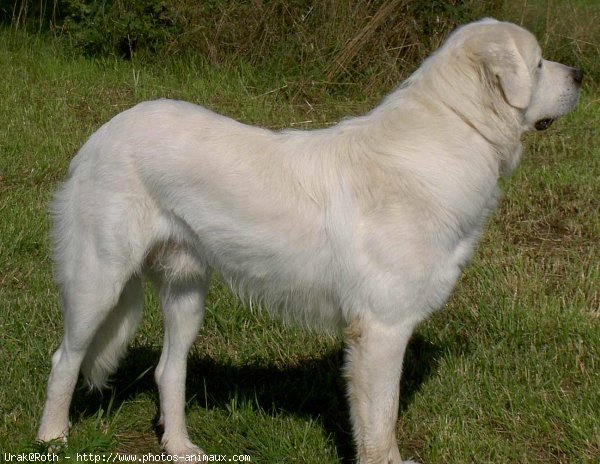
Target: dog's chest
457 252
416 260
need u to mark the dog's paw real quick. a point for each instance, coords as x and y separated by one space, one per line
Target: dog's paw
182 448
54 446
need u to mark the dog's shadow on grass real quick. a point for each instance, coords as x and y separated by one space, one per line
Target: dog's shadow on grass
314 389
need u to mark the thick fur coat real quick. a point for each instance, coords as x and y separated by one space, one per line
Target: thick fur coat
361 228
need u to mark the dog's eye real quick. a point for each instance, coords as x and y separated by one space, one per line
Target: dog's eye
540 64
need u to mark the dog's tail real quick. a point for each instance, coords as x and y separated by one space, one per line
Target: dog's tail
110 341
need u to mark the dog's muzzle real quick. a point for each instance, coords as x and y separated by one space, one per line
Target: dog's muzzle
577 75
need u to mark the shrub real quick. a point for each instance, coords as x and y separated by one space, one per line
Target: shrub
332 41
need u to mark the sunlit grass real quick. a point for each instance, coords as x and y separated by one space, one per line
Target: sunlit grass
508 372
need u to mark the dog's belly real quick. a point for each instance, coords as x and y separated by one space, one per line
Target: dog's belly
278 257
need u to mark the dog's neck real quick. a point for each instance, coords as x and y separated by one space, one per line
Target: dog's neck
475 111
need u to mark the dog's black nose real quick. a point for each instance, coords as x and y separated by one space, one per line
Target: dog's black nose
577 75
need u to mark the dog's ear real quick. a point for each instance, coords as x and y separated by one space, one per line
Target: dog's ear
504 61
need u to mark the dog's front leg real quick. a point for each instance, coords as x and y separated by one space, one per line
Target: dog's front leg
373 368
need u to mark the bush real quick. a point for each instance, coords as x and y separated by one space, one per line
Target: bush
331 41
117 27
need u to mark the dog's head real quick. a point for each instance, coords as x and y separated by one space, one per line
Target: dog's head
510 61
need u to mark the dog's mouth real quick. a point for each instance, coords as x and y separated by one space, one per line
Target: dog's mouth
543 124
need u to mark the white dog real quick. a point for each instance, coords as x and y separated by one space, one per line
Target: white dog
362 227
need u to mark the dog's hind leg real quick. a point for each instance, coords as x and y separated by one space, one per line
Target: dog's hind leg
182 281
99 307
373 368
99 249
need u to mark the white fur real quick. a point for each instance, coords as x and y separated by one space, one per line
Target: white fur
361 227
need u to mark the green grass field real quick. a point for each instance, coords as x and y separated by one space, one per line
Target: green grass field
509 371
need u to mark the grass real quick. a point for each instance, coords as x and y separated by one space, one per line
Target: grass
508 372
